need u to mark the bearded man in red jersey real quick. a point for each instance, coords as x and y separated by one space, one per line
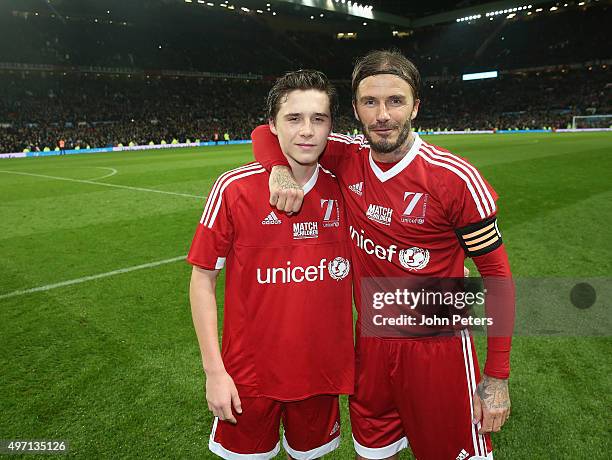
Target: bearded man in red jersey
414 210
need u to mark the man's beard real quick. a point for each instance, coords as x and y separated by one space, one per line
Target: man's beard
384 146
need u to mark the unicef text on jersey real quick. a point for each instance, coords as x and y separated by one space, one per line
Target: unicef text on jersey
337 269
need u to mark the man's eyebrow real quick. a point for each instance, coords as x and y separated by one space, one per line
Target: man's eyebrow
299 114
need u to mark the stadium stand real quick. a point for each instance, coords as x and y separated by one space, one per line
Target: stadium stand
126 77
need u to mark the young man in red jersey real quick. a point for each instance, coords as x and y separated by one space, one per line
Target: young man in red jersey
414 210
287 332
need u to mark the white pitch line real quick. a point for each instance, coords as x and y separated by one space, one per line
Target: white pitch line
85 181
48 287
112 172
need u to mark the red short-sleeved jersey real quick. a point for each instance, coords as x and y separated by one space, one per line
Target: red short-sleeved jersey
287 330
404 220
421 217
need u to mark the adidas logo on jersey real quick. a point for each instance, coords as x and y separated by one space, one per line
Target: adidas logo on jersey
357 188
335 429
271 219
462 455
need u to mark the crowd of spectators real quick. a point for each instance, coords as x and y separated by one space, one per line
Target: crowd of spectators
84 109
36 112
517 101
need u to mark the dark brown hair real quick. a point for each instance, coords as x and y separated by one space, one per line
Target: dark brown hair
391 62
303 80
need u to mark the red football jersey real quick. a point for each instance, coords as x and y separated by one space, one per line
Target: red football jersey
420 217
287 329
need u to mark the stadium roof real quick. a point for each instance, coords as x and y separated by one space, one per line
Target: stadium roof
410 13
322 14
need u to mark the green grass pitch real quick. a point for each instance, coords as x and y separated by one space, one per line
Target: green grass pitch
112 364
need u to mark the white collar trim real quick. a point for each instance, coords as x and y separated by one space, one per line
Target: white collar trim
384 176
308 186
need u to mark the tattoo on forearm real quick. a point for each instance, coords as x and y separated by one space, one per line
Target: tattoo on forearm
284 180
494 393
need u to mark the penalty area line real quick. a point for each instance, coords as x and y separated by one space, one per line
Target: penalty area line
89 181
84 279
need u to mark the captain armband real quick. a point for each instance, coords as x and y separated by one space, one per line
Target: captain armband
480 238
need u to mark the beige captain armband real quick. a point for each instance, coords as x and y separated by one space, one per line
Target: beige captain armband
480 238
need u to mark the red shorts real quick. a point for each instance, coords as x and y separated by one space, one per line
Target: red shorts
311 429
417 393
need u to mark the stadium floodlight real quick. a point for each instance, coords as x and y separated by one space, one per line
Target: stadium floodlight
365 23
469 18
188 1
479 75
259 11
538 10
273 13
210 4
321 15
580 3
246 10
553 8
311 17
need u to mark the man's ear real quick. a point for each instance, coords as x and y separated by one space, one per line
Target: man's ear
272 126
415 109
355 112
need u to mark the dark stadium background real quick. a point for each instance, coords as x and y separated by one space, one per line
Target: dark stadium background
97 345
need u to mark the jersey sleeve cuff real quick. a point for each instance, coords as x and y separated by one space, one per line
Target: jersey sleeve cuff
218 264
498 364
278 162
